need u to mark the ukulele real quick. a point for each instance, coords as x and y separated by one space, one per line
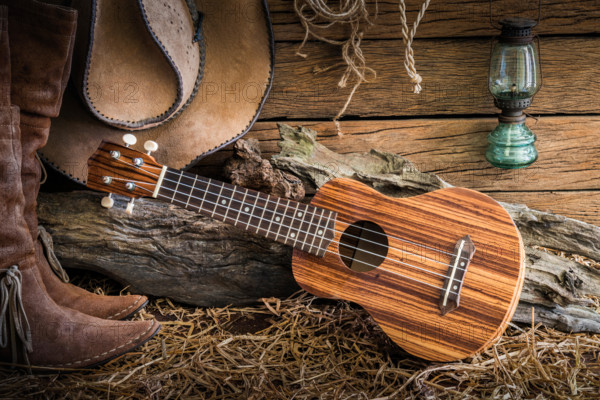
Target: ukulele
441 273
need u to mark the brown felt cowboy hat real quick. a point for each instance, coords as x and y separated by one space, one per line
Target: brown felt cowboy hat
191 75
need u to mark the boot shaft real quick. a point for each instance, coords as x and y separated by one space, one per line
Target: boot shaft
42 37
16 243
4 58
41 43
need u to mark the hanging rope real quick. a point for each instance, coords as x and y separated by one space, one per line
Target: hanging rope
408 37
13 320
317 16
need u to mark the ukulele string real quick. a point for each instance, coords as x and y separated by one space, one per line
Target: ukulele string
268 200
311 213
318 226
314 236
307 233
350 258
370 265
438 251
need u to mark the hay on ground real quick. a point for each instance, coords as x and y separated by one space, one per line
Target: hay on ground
307 348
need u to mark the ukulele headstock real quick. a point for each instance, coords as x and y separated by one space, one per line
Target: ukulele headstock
122 170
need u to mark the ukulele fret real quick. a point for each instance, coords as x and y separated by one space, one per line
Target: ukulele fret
227 202
191 191
273 216
320 231
325 231
282 220
218 200
204 195
295 215
252 214
301 229
243 204
177 186
312 230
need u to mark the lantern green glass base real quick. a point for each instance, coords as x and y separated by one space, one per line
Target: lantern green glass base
511 146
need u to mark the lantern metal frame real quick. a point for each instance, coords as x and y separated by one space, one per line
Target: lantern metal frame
515 30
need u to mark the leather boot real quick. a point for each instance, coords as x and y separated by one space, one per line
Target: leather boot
33 328
41 44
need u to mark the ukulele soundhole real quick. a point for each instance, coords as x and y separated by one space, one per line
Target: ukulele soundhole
363 246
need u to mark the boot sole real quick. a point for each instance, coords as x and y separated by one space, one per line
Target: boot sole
137 310
125 351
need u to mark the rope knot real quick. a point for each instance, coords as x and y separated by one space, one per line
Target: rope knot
416 80
416 83
408 36
14 274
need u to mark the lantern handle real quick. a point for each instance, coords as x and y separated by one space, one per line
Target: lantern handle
497 26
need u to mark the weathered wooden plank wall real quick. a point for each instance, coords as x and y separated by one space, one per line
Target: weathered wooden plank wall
444 129
454 75
454 18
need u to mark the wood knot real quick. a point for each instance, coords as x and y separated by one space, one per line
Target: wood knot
248 169
570 281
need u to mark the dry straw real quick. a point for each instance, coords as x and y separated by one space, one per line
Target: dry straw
306 348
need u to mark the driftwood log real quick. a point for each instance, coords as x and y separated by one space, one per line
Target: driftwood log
248 169
166 251
558 288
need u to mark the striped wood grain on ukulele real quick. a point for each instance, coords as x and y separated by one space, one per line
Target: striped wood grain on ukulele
406 309
350 228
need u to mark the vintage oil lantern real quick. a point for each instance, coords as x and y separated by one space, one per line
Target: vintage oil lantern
514 78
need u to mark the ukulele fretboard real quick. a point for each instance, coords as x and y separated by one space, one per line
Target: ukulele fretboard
302 226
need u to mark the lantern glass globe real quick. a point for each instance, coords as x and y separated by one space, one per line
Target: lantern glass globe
514 71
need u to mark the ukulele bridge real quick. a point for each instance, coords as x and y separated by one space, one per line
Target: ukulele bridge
463 253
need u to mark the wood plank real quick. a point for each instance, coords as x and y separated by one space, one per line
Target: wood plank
454 80
581 205
454 18
454 149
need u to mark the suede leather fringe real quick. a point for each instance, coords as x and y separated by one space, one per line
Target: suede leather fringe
48 246
14 326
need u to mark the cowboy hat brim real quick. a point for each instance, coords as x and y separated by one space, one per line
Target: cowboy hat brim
236 79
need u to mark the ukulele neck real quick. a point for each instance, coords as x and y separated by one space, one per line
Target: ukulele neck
299 225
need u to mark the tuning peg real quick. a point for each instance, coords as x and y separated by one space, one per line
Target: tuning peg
107 202
150 146
129 139
129 209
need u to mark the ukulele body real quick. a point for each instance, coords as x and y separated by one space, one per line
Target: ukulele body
404 291
399 264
